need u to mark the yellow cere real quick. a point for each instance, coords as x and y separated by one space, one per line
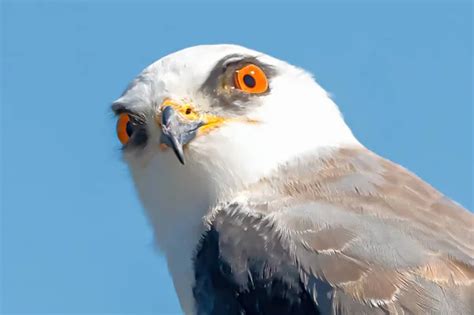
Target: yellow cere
186 110
211 122
190 112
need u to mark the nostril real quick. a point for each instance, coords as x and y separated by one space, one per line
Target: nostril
188 111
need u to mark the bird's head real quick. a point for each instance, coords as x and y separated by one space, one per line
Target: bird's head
222 115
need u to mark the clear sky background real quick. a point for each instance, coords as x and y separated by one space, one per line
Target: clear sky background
74 238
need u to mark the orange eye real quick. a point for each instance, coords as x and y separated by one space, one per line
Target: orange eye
251 79
124 128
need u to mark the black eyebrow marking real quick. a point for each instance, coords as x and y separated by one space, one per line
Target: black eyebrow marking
119 108
230 59
236 59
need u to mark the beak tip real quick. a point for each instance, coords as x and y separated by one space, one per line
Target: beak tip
178 150
177 131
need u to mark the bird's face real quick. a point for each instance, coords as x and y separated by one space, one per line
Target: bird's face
223 115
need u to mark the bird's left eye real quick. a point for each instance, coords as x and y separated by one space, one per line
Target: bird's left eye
125 128
251 79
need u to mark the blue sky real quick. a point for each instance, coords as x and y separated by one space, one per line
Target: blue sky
74 238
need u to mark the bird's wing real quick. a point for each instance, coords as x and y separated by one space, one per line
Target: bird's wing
366 237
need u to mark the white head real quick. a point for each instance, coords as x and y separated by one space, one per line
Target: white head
246 135
233 130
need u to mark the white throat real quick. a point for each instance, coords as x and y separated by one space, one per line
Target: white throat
295 118
177 197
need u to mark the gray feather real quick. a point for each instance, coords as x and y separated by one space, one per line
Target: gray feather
366 235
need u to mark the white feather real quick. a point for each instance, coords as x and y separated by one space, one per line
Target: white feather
297 117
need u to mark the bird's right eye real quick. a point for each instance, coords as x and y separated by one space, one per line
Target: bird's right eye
125 128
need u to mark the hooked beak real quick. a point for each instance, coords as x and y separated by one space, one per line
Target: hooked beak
180 123
177 130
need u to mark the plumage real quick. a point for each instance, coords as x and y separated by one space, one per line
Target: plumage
374 236
278 209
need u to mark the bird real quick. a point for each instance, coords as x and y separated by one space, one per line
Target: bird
263 201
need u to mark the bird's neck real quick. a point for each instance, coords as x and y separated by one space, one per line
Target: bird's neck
176 198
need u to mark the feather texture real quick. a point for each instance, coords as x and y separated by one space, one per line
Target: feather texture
364 235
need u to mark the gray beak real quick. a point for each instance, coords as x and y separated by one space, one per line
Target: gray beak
177 131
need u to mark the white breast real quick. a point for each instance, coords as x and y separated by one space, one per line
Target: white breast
176 198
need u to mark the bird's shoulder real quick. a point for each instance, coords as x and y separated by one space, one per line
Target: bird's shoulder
365 234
